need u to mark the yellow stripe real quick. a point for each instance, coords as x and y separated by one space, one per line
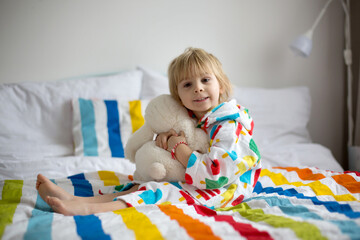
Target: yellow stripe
137 119
109 178
318 187
11 196
138 222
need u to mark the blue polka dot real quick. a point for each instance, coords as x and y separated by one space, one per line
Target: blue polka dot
192 160
246 177
233 155
151 197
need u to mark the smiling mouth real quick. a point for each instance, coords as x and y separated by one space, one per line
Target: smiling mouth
201 99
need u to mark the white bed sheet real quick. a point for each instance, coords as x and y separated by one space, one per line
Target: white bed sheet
299 155
60 167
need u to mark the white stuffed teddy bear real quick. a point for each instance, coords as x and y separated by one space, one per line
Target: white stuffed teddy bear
152 162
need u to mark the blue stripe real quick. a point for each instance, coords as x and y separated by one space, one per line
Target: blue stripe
82 187
331 206
40 223
87 227
288 208
228 117
347 227
213 131
88 127
113 125
217 107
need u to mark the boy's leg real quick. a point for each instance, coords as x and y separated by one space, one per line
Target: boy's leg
106 197
72 208
48 189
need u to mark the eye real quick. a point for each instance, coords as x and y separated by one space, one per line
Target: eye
205 80
186 85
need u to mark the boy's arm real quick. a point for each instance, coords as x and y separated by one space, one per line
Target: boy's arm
182 151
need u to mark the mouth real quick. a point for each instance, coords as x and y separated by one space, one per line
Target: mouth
201 99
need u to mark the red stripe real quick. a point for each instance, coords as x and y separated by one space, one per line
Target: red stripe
189 200
216 132
238 129
244 229
355 172
217 191
204 195
208 191
252 128
256 176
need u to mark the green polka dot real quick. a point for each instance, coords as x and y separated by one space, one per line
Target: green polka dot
254 148
214 184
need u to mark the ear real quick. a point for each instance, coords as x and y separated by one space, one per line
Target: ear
221 88
221 91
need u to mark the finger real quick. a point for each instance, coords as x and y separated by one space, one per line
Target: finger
172 132
158 141
164 143
182 134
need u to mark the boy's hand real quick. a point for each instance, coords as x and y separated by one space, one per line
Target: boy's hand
182 151
162 138
175 139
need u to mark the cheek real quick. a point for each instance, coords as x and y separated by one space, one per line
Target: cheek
182 96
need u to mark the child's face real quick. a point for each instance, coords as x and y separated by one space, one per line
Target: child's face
200 94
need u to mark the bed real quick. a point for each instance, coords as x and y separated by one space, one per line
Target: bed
302 191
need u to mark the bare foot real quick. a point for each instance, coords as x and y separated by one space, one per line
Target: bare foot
47 188
67 207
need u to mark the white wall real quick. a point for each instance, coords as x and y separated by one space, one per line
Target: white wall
48 40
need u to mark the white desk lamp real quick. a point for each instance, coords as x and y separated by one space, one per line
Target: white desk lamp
302 46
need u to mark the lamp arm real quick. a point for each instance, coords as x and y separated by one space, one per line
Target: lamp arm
348 62
347 25
321 14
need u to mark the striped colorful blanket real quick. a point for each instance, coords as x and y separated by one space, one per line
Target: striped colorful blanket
288 203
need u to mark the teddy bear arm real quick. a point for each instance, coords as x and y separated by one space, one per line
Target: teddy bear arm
201 141
136 140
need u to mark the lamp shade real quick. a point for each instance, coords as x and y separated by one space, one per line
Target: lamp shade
302 45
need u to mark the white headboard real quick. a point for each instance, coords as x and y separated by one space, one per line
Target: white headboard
49 40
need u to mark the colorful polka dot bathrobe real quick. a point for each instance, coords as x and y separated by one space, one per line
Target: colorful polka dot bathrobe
223 176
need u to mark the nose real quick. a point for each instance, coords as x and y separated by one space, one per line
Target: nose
198 88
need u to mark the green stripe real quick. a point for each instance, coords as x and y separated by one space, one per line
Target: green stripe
303 230
11 195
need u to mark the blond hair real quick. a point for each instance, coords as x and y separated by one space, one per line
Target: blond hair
195 62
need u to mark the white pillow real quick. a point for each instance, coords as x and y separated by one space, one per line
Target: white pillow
280 115
280 118
300 155
36 117
153 84
103 127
